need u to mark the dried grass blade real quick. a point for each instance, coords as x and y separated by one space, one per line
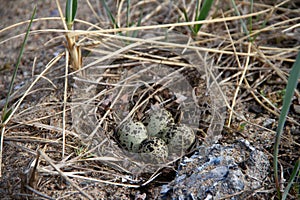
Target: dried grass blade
49 160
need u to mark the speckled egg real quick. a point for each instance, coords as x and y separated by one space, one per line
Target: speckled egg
131 134
154 150
179 138
158 122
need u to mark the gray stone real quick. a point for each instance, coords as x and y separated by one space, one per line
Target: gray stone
219 171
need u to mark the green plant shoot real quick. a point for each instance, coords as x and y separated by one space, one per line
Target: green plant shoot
71 8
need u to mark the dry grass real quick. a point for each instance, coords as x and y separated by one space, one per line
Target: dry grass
59 141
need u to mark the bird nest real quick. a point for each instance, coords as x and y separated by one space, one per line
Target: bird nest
126 78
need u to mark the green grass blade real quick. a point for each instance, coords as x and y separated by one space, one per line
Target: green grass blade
238 13
291 85
135 32
5 113
197 9
110 15
71 9
291 180
128 14
187 20
203 13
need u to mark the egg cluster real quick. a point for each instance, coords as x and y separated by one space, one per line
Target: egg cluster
155 137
